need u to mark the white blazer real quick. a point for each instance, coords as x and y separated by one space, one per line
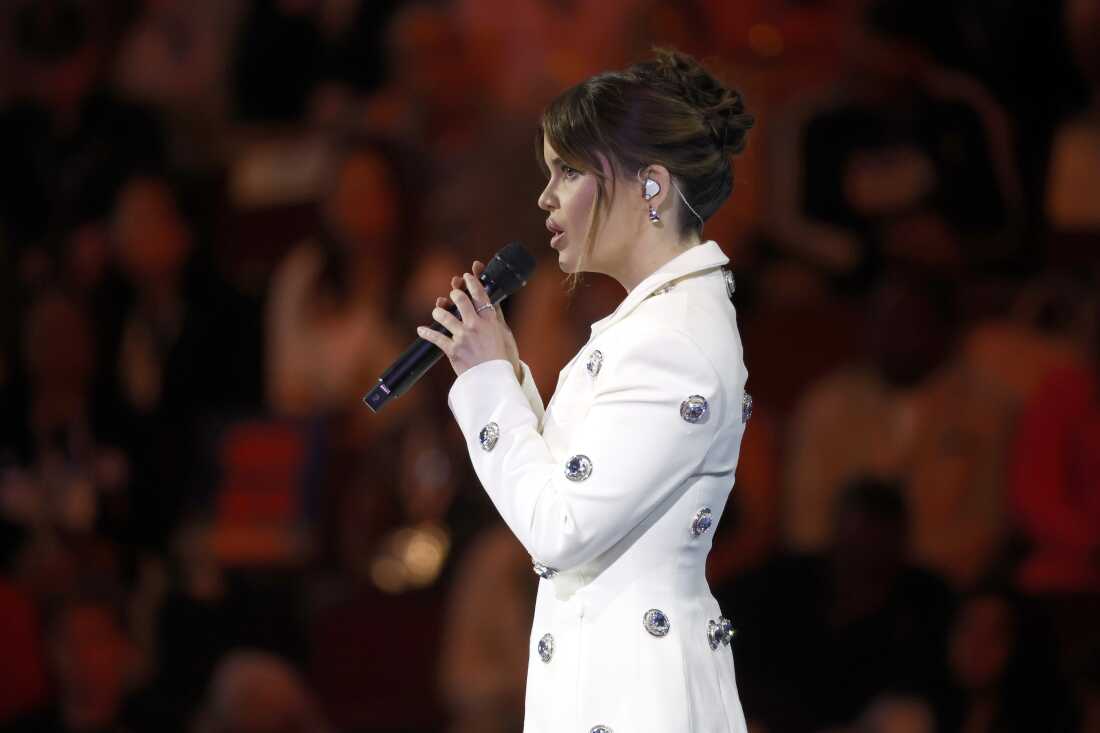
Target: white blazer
615 491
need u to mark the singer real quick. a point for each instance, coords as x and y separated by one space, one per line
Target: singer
616 487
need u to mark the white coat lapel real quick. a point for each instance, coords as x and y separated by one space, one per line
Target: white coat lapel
705 256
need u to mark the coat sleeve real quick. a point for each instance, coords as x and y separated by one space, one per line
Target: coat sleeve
531 392
640 450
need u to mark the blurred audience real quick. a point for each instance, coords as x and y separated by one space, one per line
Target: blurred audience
67 467
897 714
329 331
910 411
816 628
23 683
483 662
182 347
1055 490
256 692
1002 673
901 159
1085 675
290 54
1071 202
176 56
92 661
66 139
220 221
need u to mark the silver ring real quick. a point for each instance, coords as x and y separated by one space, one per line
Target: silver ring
485 307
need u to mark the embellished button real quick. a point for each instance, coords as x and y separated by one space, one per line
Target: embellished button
578 468
746 407
543 571
595 361
731 284
702 522
694 409
656 622
601 729
488 436
719 632
546 647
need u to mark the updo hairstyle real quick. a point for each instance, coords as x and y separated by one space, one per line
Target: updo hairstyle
667 111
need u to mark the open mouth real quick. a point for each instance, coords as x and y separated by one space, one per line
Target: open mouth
556 231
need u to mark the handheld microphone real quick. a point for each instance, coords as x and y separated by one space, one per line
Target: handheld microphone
506 273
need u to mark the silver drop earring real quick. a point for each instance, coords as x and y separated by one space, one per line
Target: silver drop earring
652 188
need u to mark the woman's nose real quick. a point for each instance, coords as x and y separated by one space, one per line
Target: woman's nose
547 202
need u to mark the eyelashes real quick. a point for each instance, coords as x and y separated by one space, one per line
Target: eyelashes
569 172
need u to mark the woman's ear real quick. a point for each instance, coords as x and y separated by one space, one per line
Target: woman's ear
656 183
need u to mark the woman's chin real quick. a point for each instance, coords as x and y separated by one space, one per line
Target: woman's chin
567 262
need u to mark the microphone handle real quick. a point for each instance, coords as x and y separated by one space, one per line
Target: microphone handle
421 356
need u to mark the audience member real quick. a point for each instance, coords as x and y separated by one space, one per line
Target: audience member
92 661
176 57
1071 203
910 411
431 99
901 159
68 467
483 662
1055 487
329 334
287 49
1047 328
23 684
66 140
1002 671
182 348
256 692
816 628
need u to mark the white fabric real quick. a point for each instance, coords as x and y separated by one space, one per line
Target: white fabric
621 540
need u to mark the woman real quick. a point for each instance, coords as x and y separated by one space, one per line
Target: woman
614 489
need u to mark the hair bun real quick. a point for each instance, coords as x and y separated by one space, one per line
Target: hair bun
721 108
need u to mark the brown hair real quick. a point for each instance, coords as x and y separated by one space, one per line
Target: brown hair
668 111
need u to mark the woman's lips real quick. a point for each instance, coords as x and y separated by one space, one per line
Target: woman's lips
555 239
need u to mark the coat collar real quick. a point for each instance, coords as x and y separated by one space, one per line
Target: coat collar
705 256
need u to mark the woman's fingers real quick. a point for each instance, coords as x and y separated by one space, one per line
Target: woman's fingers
458 282
442 302
445 319
476 290
465 307
445 344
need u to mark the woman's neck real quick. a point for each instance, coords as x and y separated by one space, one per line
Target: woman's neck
649 255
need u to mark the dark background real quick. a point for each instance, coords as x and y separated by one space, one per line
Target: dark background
221 219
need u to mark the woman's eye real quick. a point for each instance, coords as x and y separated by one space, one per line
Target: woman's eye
569 173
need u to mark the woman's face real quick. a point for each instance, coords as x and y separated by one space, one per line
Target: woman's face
569 197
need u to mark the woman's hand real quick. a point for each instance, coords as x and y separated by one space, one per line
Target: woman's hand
479 336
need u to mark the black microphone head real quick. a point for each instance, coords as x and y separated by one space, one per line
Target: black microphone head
508 270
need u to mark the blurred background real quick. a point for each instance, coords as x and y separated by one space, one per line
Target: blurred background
220 220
